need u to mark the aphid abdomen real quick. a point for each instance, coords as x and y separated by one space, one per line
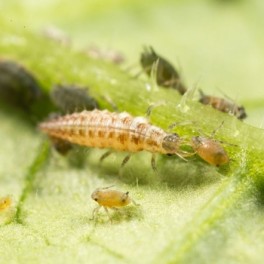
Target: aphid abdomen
102 129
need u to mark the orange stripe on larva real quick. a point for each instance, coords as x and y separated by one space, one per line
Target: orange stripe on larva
119 131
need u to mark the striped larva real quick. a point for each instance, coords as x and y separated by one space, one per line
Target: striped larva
5 202
112 199
167 75
116 131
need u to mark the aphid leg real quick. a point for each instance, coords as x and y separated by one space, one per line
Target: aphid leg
181 123
108 187
153 163
105 155
124 162
95 211
133 201
108 215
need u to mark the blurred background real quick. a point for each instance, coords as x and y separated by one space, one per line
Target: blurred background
216 44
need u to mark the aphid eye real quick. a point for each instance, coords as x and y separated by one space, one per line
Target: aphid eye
96 199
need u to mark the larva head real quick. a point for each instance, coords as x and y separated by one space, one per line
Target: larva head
210 150
170 143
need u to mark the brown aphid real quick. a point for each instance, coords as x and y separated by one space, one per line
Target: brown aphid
210 150
223 105
112 199
5 203
117 131
17 85
166 74
72 98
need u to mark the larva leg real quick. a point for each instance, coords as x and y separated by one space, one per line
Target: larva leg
125 160
108 215
95 211
153 162
105 155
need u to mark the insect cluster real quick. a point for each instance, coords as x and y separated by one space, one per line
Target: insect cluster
168 77
122 132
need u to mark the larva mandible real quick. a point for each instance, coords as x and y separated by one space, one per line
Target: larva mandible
117 131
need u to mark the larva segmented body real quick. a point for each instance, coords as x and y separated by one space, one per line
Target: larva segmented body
118 131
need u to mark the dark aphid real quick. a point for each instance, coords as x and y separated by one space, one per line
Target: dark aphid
62 146
210 150
72 98
223 105
167 76
17 85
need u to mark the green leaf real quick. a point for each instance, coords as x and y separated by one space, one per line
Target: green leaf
190 212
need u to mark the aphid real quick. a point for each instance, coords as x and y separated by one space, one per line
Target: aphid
5 202
105 54
62 146
167 76
210 150
17 85
57 35
112 199
72 98
223 105
117 131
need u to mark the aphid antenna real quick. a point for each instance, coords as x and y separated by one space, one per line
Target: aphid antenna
217 129
105 188
152 106
180 123
202 94
108 99
187 96
225 95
